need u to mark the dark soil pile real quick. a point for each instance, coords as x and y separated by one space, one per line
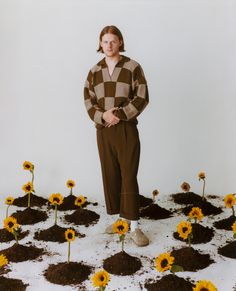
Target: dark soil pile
228 250
122 264
67 273
34 201
144 201
30 216
186 198
154 211
225 223
206 207
54 233
170 283
82 217
190 259
20 253
9 284
201 234
6 236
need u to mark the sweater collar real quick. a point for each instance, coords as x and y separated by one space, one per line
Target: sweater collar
122 60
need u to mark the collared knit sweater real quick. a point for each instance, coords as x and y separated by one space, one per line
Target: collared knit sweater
126 88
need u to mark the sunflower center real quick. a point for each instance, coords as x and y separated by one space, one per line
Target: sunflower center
204 289
185 229
70 235
102 278
28 187
10 224
120 227
230 201
79 200
55 199
164 263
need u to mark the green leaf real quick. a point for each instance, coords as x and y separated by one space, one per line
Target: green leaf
234 235
176 268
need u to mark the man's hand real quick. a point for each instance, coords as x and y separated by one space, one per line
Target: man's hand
110 118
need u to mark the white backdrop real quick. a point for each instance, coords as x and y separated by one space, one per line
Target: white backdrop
187 50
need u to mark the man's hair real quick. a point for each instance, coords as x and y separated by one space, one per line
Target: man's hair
113 30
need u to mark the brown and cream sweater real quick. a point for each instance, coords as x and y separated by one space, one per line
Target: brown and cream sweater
126 88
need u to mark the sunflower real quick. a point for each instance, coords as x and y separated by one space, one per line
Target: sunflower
155 192
234 227
3 261
70 184
164 262
80 200
9 200
28 166
70 235
184 229
196 213
28 187
204 286
10 223
120 227
201 175
56 199
185 187
100 279
229 200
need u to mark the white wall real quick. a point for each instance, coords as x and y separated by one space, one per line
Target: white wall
187 49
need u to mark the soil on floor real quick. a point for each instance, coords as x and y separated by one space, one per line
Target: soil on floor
10 284
54 233
228 250
144 201
6 236
206 207
186 198
29 216
190 259
154 211
201 234
67 273
21 253
122 264
170 283
225 223
34 201
82 217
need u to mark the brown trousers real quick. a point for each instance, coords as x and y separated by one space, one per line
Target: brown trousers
119 151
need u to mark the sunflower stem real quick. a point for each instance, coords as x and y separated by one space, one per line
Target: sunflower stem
189 241
55 214
68 252
233 211
32 177
203 190
29 199
15 235
70 191
7 211
122 243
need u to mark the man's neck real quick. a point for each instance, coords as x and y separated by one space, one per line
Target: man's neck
113 59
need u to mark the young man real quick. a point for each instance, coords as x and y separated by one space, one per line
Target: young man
115 94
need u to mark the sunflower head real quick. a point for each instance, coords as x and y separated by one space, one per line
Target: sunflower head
229 200
56 199
9 200
155 193
234 227
10 223
28 166
185 187
70 184
201 175
204 286
184 229
70 234
100 279
196 212
3 261
120 227
28 187
164 262
80 200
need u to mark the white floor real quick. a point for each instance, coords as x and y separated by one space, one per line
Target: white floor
97 246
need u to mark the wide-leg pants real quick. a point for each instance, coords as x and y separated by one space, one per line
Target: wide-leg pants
119 152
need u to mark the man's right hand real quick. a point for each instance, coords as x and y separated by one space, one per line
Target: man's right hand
110 118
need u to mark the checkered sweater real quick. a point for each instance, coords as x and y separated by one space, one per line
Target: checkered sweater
126 88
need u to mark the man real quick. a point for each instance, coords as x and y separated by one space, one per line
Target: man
115 94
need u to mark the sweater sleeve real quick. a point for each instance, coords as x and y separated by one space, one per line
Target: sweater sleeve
140 96
93 109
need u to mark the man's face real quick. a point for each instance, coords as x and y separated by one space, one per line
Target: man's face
110 44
